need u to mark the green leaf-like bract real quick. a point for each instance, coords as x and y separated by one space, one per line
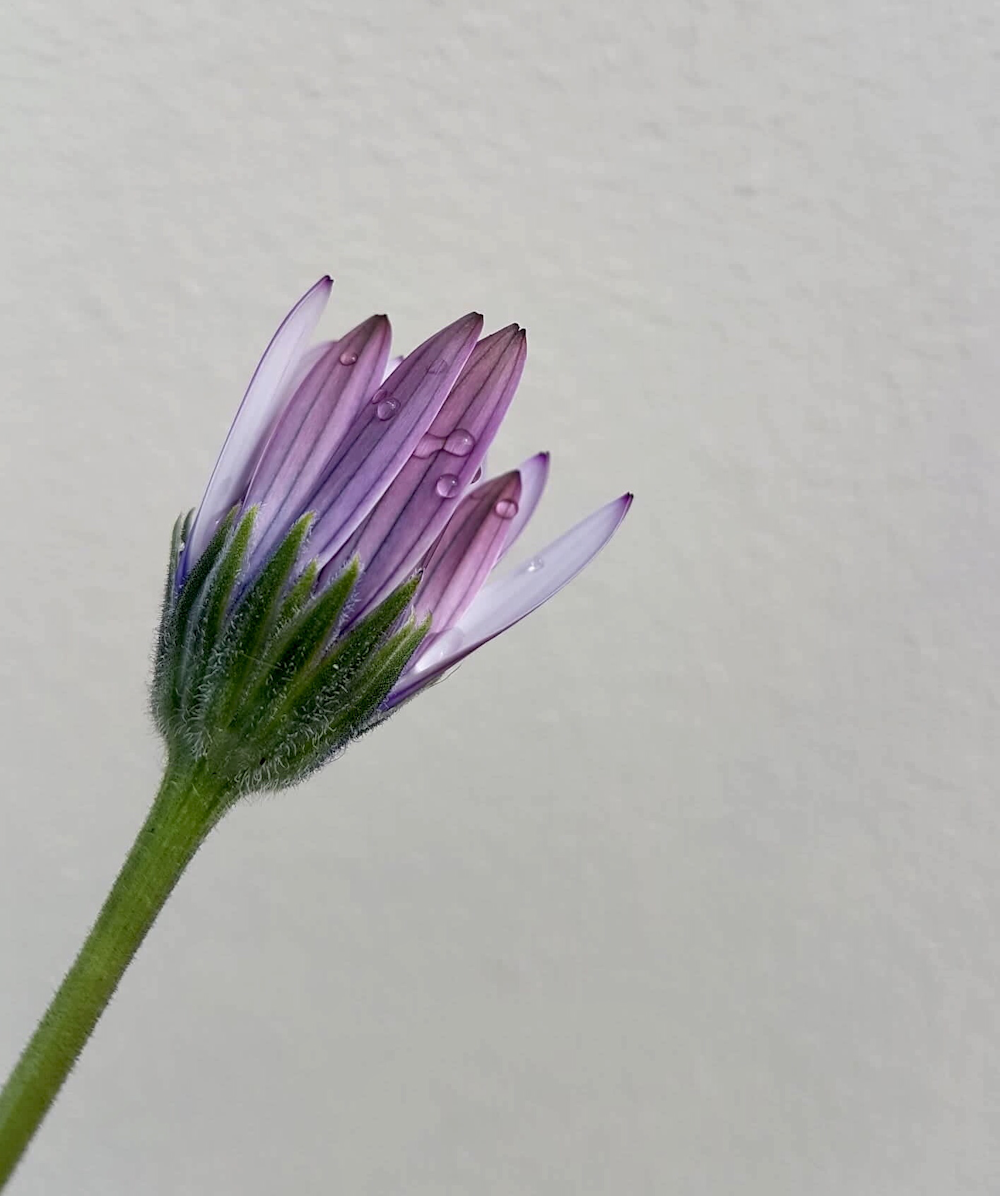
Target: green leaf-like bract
256 677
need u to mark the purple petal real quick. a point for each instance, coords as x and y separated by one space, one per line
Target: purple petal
295 378
311 426
534 474
422 496
466 551
504 602
255 418
385 434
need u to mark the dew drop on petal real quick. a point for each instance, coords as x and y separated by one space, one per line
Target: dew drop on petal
506 508
460 443
387 408
348 358
447 484
534 565
428 446
439 367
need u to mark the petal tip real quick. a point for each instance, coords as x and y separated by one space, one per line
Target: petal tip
620 507
376 323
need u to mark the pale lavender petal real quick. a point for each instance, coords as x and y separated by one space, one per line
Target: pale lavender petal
392 364
385 434
466 551
254 419
295 378
422 496
311 426
503 602
534 474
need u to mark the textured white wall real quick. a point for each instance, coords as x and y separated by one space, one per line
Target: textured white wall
689 884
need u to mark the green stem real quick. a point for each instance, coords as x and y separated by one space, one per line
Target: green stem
185 810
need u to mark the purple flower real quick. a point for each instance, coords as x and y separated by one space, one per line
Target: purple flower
388 457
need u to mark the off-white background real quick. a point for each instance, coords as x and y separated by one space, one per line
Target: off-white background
689 884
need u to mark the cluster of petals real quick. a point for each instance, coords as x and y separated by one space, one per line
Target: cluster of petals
388 456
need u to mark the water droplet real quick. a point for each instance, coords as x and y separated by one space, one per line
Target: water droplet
387 408
534 565
447 484
506 508
439 367
428 446
348 358
460 443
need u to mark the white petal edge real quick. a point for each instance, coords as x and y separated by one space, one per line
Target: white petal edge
504 602
256 416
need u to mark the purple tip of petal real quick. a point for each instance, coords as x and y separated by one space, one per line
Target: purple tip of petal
509 599
255 419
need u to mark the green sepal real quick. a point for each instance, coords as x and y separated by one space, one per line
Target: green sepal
252 680
301 641
208 619
159 692
315 694
181 523
239 653
378 680
298 595
303 753
167 688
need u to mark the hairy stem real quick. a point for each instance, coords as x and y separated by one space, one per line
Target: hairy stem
186 808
